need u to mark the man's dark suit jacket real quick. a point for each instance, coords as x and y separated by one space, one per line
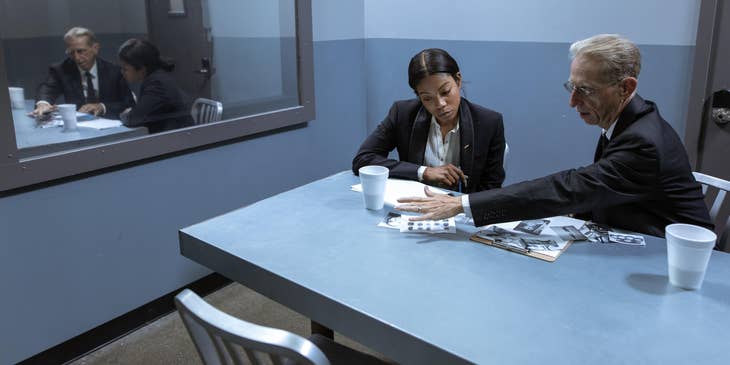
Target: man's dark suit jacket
64 79
406 128
161 105
641 181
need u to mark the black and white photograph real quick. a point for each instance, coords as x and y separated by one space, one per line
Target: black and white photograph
626 239
534 226
534 244
501 237
496 231
391 220
595 232
569 233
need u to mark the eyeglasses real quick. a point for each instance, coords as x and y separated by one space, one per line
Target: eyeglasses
79 51
585 91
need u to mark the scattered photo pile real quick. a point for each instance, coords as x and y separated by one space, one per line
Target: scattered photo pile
538 236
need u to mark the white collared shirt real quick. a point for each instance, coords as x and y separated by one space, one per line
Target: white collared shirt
441 151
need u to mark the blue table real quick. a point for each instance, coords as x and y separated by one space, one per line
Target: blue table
443 299
35 141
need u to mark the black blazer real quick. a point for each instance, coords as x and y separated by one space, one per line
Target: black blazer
161 105
406 128
641 181
64 79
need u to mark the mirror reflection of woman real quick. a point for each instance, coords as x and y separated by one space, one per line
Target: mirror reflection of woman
160 105
442 139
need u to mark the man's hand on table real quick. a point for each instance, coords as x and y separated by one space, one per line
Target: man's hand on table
432 207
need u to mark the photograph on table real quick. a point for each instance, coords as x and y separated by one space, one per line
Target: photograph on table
595 232
534 226
626 239
569 233
535 244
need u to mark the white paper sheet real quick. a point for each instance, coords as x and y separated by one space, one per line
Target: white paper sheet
396 188
101 123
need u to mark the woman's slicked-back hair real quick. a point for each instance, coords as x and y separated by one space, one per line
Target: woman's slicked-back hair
140 53
428 62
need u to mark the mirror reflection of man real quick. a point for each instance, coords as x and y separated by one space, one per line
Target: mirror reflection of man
94 85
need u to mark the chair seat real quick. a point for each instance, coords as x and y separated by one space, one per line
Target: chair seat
339 354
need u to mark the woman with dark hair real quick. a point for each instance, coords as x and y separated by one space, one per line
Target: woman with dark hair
442 138
160 105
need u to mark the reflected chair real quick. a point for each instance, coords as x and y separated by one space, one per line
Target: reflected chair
206 111
504 159
223 339
722 187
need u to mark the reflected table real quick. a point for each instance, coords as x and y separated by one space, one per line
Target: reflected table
34 141
442 299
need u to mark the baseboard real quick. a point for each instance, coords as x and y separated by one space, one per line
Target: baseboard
120 326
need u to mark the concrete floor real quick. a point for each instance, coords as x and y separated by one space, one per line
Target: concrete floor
165 341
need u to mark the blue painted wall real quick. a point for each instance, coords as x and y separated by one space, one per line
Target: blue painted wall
523 81
78 254
514 59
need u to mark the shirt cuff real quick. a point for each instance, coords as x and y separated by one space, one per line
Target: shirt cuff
103 109
465 205
421 170
42 102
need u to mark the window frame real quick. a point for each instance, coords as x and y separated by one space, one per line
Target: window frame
17 172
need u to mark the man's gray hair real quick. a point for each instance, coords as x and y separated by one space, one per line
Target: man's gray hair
76 32
619 56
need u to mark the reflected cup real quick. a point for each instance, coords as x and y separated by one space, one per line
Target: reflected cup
373 179
17 97
68 115
688 251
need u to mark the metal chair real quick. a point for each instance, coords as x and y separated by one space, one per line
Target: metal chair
722 187
206 111
504 159
223 339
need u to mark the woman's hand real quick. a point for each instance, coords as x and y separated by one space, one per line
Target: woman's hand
446 175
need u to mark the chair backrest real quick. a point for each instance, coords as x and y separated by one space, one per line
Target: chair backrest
206 111
224 339
722 187
504 159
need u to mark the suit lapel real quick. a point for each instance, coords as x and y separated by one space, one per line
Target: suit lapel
100 70
466 127
419 135
74 83
634 110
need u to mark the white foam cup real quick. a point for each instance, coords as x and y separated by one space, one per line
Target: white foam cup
373 179
17 97
688 251
68 115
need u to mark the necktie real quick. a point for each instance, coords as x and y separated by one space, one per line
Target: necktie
91 96
602 142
